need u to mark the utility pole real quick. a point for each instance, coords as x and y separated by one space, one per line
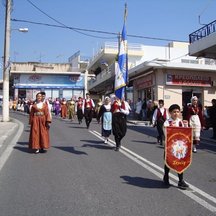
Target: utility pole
6 64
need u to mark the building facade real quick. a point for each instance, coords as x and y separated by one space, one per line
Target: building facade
175 78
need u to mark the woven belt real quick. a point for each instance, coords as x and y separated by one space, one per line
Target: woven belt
39 113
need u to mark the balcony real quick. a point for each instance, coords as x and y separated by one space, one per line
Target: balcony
103 79
203 41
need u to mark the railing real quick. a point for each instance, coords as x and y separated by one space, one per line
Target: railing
103 75
114 46
203 32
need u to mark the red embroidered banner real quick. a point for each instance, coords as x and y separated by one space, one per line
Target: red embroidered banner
178 148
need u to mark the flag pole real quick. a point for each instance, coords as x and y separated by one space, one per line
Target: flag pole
125 18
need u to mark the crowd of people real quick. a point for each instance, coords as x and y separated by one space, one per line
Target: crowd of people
112 114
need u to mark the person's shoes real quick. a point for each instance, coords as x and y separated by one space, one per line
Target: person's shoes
194 149
42 150
166 181
37 151
117 149
183 185
106 141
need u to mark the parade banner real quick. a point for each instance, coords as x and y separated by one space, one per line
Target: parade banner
178 148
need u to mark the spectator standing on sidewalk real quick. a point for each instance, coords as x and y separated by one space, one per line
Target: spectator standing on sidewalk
160 115
39 120
195 118
212 117
144 105
138 109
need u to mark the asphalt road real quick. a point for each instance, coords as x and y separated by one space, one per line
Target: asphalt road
82 176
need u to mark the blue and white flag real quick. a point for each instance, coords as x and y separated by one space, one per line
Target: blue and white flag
121 72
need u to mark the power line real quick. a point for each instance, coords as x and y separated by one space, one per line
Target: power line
78 30
95 31
62 24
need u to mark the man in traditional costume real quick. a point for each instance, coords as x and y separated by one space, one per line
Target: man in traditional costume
160 115
88 107
119 110
39 120
195 118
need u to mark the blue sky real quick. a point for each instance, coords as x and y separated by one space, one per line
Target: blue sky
166 19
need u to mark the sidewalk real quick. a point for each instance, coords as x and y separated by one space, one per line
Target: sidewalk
8 131
205 134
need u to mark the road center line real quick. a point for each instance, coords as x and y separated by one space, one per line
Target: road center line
156 170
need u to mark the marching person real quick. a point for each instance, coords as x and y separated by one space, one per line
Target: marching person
88 107
195 118
39 120
47 102
71 109
120 110
57 107
174 121
79 110
63 108
97 109
159 117
106 120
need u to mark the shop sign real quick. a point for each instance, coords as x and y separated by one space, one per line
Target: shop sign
34 81
188 80
144 82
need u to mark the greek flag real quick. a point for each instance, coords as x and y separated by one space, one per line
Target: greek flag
121 72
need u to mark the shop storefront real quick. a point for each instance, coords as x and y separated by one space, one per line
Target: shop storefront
55 86
175 86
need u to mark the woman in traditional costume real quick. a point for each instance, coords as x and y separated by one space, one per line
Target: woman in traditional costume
106 119
71 109
79 110
39 119
196 121
63 108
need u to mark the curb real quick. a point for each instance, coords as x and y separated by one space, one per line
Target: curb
12 136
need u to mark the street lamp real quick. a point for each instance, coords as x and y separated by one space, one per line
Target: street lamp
6 62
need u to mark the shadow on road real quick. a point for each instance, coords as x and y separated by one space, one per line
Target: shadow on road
143 182
23 149
22 143
70 150
96 144
143 142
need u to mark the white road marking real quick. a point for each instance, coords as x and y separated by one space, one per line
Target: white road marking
158 171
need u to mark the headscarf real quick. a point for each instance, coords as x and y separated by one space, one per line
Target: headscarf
194 98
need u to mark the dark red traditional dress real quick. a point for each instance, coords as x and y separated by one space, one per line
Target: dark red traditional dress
39 120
